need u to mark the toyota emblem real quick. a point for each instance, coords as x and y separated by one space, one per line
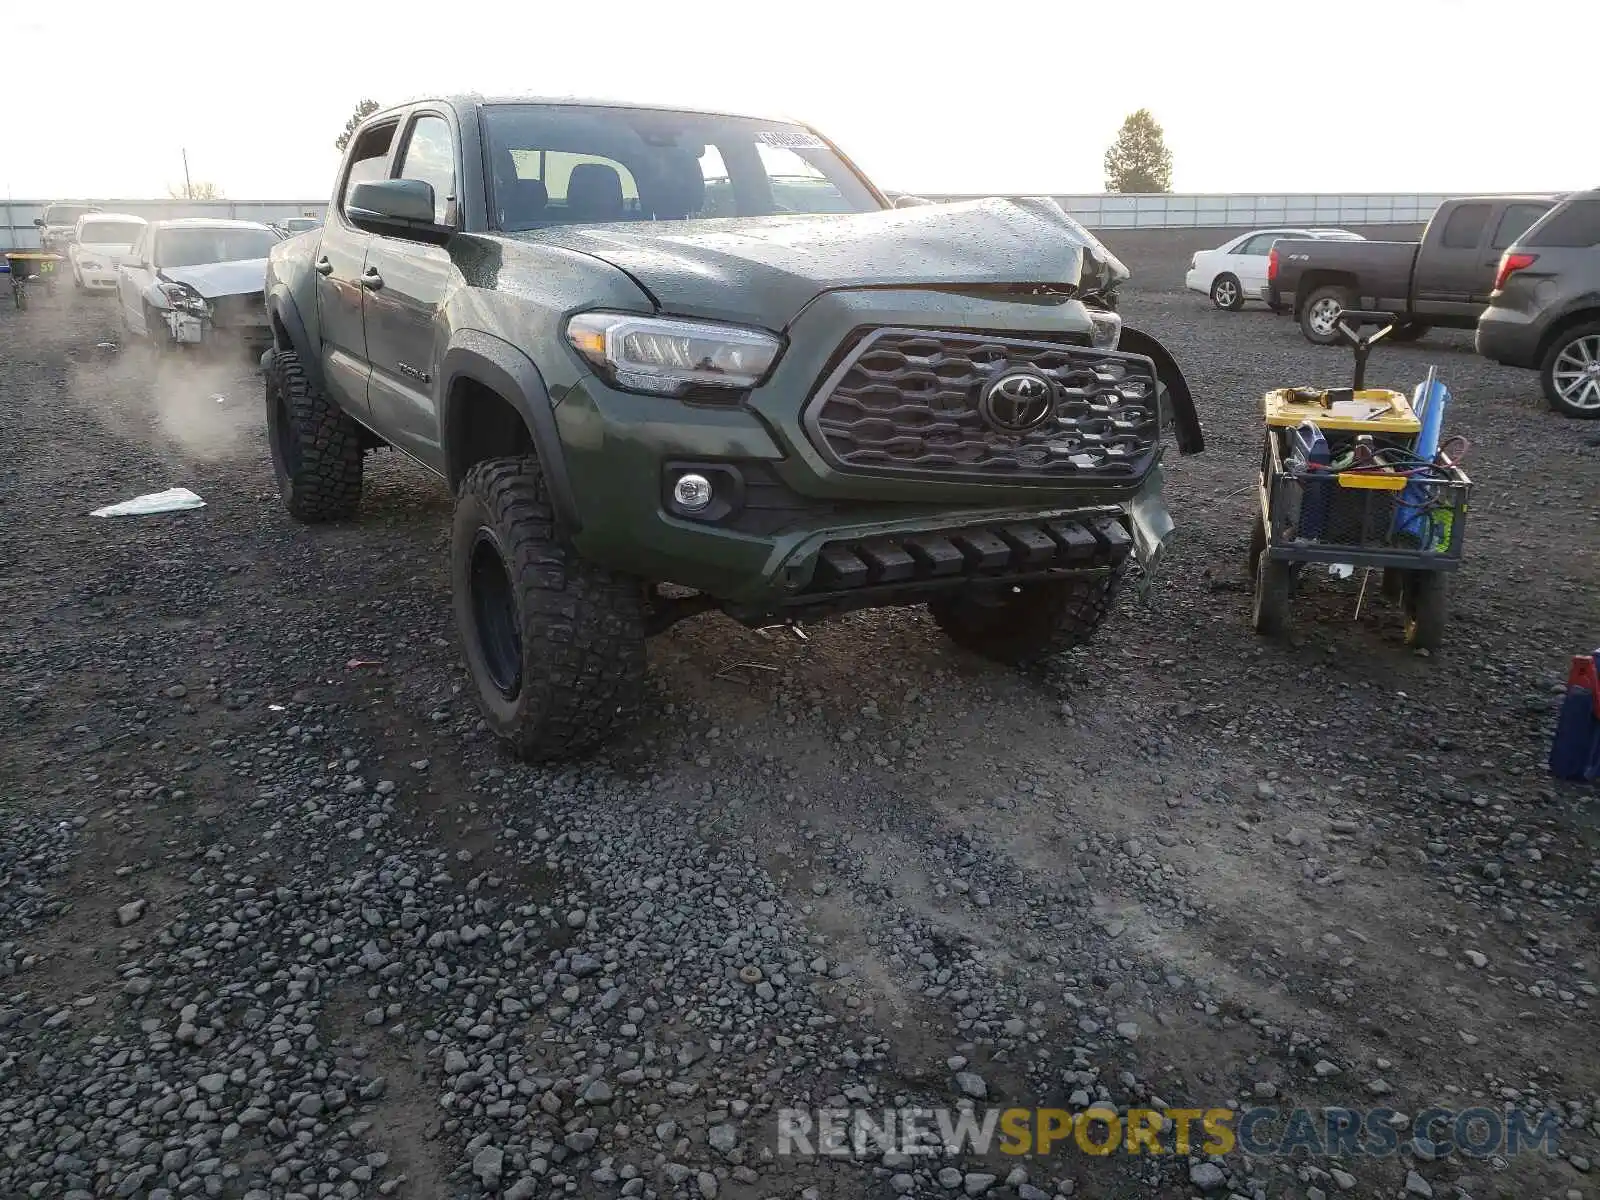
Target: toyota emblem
1016 401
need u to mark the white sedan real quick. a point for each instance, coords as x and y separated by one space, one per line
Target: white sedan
1236 271
99 244
196 278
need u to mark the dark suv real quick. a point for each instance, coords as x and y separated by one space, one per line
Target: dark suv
1544 313
672 361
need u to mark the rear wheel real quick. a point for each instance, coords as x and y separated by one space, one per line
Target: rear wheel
1570 373
1025 623
1425 598
1226 293
555 644
316 447
1319 316
1410 331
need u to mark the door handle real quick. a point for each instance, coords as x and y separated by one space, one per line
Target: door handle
371 280
324 267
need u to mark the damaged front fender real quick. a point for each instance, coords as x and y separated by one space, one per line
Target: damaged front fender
1179 407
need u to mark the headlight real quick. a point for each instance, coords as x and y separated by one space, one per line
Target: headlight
182 296
1107 329
668 356
89 264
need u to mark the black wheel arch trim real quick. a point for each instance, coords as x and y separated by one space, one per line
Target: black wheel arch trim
281 307
507 371
1186 420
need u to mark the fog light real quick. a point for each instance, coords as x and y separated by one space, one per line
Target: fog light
692 493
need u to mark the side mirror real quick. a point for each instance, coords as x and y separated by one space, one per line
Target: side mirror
397 207
39 221
910 201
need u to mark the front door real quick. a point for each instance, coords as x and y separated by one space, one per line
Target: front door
133 276
341 260
408 282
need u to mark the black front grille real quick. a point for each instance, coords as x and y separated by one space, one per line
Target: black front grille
906 401
1015 550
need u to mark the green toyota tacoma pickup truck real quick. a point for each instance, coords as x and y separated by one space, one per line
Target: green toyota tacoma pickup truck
673 361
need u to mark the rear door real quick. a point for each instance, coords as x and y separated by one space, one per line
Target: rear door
407 282
341 259
1450 260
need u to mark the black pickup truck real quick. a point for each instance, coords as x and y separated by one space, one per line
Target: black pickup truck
1445 279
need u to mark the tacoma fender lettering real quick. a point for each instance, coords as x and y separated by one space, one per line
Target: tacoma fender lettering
507 371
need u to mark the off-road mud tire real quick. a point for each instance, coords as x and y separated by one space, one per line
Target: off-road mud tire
316 446
1029 625
572 633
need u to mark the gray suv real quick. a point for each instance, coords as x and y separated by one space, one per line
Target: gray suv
1544 313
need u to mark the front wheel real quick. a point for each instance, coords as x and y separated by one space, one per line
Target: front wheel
1319 316
19 295
555 644
1269 613
1026 623
1570 373
1226 293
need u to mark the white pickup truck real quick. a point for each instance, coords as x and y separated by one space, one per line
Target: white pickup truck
99 244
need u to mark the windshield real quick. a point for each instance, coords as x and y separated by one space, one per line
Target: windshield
196 247
64 214
567 164
110 233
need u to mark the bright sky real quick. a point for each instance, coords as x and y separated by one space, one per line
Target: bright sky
976 96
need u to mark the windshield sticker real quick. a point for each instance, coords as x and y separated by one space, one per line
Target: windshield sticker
791 139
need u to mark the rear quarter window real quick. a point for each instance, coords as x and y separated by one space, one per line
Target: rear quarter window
1514 222
1575 224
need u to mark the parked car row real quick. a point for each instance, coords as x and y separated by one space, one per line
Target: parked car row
185 281
1236 271
1522 271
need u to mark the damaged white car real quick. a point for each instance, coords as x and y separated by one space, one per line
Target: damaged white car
196 281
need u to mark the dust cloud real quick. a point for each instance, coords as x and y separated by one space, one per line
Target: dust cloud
191 403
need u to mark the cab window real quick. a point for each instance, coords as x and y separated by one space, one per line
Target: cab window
431 157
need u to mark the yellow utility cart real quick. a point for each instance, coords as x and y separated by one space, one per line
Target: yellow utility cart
1356 478
26 265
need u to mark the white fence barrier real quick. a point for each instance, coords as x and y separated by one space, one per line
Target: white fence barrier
1098 211
18 231
1198 211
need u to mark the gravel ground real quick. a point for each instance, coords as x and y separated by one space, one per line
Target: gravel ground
277 919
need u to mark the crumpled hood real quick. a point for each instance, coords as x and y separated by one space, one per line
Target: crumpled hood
213 280
764 270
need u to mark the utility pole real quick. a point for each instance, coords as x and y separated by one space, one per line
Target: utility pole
188 188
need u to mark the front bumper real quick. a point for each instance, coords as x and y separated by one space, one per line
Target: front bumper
1507 336
98 281
189 328
799 531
